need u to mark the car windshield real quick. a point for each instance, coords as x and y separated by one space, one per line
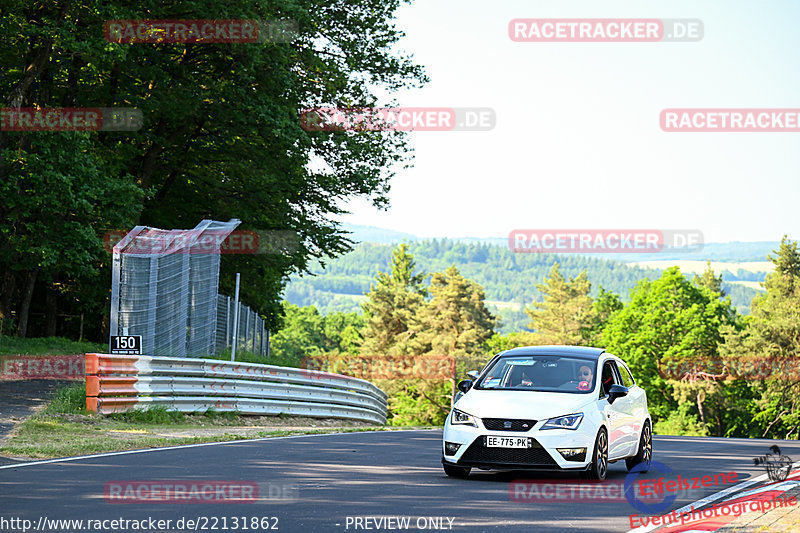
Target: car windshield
548 373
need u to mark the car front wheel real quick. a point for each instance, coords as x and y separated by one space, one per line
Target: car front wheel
599 467
456 471
645 453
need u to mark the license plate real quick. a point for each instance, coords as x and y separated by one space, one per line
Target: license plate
506 442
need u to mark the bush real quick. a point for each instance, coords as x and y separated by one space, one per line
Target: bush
681 422
70 399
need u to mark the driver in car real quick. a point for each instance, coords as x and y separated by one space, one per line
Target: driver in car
585 378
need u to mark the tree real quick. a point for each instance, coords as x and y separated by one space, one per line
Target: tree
455 322
57 200
771 336
392 303
606 304
566 312
709 280
307 333
667 320
222 136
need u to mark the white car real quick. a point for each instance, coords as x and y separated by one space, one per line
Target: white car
541 408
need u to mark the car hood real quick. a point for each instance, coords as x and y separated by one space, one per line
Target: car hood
521 404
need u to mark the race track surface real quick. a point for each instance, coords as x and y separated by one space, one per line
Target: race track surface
322 483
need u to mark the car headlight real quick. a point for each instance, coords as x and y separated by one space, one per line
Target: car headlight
460 418
564 422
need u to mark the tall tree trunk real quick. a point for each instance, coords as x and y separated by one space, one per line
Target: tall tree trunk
51 309
701 396
25 303
7 293
8 286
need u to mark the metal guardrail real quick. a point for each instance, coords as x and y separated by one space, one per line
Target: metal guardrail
117 383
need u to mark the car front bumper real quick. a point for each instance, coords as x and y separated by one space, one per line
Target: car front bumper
541 454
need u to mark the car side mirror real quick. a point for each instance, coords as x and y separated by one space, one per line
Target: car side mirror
465 385
616 391
473 374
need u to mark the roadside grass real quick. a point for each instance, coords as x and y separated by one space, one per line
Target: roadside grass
64 428
45 437
47 346
250 357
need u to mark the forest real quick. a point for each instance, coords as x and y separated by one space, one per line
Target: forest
666 322
504 275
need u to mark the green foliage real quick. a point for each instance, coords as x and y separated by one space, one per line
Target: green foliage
606 304
500 343
455 321
417 402
680 422
506 276
221 136
306 333
666 320
566 312
47 346
772 334
710 281
154 414
71 399
392 306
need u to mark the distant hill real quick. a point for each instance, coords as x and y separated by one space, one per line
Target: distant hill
377 235
734 251
509 278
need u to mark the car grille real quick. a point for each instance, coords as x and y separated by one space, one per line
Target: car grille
499 424
480 454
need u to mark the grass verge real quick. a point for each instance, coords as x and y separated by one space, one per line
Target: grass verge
47 346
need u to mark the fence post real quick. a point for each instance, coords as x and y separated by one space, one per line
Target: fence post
235 319
255 322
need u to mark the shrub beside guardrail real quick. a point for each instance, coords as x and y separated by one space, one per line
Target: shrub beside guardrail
118 383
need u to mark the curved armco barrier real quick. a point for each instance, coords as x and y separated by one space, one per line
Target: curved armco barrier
118 383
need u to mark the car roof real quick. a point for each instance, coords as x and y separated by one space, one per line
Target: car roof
585 352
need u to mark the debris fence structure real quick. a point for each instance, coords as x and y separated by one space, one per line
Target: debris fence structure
164 287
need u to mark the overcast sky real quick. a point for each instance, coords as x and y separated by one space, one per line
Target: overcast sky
578 143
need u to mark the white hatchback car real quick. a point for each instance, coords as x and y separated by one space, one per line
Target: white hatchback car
542 408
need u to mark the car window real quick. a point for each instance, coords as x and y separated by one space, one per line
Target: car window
608 377
541 372
627 378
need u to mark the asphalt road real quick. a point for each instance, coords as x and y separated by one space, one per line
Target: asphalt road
19 399
327 478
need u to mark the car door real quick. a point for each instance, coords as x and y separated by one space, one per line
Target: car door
629 428
616 415
638 404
